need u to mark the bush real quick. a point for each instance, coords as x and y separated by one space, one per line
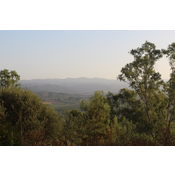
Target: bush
24 112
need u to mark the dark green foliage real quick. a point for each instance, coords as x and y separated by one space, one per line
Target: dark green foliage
99 128
126 104
25 111
129 131
73 126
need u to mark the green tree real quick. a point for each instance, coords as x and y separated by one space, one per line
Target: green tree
129 136
9 79
169 87
126 104
73 124
98 129
141 76
25 112
169 90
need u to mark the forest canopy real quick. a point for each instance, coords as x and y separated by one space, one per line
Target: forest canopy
144 115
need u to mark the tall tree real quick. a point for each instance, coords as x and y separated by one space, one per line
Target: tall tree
169 87
98 128
141 76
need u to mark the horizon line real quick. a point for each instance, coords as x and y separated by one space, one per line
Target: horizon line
66 78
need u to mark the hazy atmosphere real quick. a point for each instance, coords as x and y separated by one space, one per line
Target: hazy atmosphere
85 87
74 54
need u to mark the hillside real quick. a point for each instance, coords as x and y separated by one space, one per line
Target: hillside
74 85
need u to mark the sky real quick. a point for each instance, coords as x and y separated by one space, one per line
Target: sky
41 54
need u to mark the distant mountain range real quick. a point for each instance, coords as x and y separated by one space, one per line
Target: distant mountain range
74 85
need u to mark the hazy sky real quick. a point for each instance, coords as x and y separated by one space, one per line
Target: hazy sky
62 54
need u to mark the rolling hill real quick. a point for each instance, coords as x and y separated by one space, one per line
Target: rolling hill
74 85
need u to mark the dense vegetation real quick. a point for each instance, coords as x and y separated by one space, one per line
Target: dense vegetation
142 116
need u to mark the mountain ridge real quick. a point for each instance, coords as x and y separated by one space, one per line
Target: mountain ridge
74 85
81 85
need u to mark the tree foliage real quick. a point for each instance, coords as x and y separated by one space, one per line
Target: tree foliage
144 115
99 129
25 111
9 79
